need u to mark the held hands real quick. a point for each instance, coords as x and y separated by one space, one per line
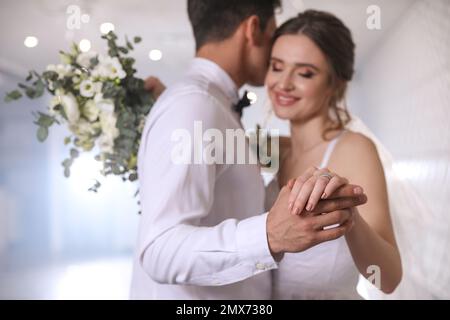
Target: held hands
288 232
318 184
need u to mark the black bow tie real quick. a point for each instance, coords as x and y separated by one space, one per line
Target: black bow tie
243 103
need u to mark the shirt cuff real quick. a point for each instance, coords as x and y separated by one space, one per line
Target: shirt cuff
252 243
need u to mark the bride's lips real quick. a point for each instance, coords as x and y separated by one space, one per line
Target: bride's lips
285 100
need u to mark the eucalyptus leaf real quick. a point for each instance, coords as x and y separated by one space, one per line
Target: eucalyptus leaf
13 95
42 134
67 172
115 169
44 120
123 50
74 153
67 163
128 43
50 75
39 88
94 61
95 187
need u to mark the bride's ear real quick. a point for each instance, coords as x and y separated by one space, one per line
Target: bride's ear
340 89
337 88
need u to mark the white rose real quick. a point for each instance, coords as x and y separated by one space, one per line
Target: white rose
84 59
83 129
87 88
109 68
76 80
105 105
105 144
108 122
91 111
70 106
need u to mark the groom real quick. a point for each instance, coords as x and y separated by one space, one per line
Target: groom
203 231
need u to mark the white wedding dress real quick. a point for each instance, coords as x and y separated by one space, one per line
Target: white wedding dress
326 271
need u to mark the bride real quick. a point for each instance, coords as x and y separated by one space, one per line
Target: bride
311 64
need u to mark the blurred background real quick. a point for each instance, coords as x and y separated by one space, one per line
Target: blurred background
59 241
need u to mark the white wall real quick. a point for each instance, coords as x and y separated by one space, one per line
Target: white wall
402 93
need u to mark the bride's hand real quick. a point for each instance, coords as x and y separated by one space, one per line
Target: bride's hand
314 185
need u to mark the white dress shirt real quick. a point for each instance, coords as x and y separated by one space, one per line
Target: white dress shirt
202 233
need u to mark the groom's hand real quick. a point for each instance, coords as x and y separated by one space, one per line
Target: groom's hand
154 86
296 233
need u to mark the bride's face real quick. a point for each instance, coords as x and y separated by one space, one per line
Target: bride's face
298 80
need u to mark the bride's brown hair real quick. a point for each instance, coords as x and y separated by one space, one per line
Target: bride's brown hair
335 40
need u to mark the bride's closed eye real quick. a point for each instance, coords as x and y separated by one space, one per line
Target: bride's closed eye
276 68
307 75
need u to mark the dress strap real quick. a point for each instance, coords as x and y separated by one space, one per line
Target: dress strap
330 149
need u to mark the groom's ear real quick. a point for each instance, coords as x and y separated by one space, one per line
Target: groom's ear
253 32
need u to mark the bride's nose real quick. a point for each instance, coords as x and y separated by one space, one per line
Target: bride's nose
286 83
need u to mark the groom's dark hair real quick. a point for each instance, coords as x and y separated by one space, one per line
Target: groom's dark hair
217 20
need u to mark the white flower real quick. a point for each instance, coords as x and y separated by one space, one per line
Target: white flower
53 103
70 106
91 110
83 129
105 105
87 88
76 80
109 132
108 122
109 68
60 69
105 144
84 59
98 87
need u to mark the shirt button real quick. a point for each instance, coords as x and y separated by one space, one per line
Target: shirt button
260 266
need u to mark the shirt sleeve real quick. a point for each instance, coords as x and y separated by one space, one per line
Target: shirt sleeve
174 248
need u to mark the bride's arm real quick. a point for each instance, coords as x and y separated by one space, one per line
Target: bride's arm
371 241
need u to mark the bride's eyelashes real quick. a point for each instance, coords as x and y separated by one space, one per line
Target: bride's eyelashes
276 68
307 74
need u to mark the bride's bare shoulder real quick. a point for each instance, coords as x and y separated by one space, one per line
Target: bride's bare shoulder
356 140
355 145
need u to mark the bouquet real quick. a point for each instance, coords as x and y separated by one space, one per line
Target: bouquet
98 98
